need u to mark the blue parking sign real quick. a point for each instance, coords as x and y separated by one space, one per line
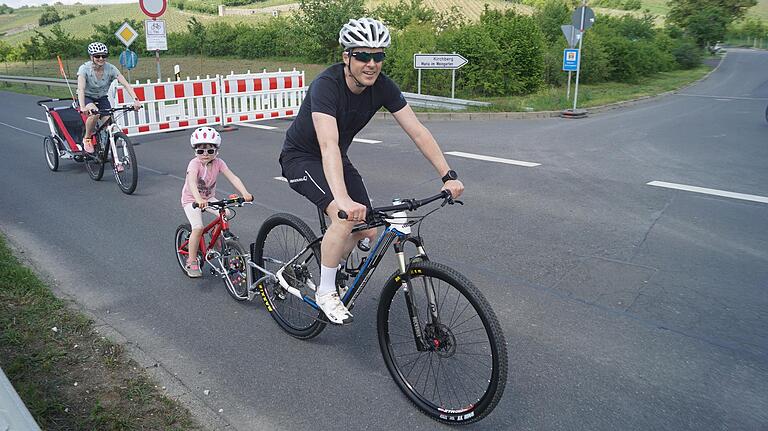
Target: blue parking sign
570 60
128 59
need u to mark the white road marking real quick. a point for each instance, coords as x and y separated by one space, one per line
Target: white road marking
281 179
492 159
723 98
366 141
22 130
257 126
37 119
715 192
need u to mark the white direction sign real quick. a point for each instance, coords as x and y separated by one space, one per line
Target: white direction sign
126 34
154 29
438 61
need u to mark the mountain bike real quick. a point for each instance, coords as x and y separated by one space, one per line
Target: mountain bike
439 336
112 145
222 252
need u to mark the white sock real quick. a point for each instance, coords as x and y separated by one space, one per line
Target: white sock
327 280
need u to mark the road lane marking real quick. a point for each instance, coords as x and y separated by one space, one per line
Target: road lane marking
22 130
257 126
722 98
715 192
492 159
281 179
366 141
37 119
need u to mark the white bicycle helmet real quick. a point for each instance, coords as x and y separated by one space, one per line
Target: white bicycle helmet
364 33
205 135
97 48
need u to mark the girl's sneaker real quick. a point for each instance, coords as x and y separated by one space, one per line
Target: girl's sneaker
193 269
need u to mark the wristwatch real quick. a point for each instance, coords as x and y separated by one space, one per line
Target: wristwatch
450 175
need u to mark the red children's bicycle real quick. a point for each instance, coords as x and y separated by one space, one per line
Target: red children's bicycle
219 248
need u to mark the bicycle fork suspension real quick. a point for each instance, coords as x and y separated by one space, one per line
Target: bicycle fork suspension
410 301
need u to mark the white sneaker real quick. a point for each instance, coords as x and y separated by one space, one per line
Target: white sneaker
336 312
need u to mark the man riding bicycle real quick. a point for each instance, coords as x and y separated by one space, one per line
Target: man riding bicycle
93 80
338 104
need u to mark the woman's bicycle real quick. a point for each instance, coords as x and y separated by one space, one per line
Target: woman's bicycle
222 251
440 339
111 145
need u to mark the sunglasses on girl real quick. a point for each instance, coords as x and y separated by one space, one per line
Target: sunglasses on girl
365 57
209 151
99 55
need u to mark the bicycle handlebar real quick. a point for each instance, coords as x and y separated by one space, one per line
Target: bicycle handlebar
111 111
239 201
408 204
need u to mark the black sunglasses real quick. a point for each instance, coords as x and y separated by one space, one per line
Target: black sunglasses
209 150
365 57
100 56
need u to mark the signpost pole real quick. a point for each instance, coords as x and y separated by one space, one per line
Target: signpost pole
568 93
578 61
453 83
419 85
157 59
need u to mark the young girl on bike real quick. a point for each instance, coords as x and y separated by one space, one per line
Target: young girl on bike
200 187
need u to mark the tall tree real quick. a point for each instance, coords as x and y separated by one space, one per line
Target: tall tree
320 22
706 20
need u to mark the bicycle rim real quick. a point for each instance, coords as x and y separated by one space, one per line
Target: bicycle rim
461 376
280 239
125 157
234 263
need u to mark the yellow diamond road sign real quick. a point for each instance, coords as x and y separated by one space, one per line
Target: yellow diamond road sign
126 34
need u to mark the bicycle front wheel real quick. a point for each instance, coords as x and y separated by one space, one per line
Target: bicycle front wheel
181 243
235 265
459 375
124 164
282 238
93 162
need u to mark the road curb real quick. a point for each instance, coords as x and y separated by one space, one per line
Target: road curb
469 116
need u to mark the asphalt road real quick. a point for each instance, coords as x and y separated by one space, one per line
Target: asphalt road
625 305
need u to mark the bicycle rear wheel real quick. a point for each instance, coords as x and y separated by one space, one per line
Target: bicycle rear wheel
51 153
94 162
460 375
124 164
235 264
281 238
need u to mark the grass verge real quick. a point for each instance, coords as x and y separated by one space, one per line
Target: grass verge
69 376
591 95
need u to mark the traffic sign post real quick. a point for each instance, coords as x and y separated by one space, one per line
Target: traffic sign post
156 31
439 61
582 19
128 59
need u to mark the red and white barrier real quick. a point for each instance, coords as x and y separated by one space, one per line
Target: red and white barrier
177 105
252 97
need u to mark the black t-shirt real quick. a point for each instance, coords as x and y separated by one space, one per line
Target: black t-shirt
330 95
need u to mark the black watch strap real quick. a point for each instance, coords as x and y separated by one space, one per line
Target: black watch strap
450 175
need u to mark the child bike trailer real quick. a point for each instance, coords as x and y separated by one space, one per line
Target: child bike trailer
67 129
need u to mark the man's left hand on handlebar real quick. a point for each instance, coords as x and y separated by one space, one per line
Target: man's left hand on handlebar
456 188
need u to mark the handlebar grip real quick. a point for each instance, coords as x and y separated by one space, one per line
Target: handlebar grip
342 214
195 205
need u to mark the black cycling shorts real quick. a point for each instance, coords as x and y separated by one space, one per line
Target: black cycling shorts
102 103
305 176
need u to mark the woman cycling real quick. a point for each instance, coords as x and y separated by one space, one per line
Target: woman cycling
93 80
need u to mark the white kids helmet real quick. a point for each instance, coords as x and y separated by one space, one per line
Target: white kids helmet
205 135
364 33
97 48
